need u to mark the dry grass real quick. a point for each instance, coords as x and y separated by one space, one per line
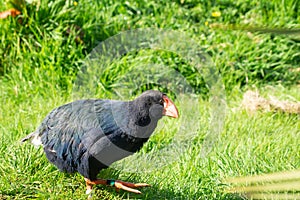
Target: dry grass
252 102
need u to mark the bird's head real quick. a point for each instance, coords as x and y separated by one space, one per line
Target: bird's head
157 104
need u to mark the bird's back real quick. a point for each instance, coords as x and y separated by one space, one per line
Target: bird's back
86 136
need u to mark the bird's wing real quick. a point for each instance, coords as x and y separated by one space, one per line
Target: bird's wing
74 132
63 129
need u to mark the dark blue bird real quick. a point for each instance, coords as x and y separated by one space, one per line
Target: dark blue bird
86 136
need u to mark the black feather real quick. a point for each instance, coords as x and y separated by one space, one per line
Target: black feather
86 136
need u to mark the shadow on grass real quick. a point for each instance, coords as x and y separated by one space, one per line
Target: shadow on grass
67 186
154 193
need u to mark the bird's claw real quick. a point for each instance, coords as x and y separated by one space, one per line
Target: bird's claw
129 186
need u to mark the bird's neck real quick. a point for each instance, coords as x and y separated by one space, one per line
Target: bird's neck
141 120
140 114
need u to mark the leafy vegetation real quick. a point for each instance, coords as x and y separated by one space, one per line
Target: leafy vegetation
42 51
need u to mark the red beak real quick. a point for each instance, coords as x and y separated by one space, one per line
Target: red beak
169 108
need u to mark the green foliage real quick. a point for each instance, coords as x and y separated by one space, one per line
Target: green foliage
42 50
60 34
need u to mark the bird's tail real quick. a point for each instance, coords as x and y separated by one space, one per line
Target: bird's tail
27 137
34 137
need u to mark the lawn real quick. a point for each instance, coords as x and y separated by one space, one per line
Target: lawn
43 58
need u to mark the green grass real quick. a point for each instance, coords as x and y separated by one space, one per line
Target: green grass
40 57
262 143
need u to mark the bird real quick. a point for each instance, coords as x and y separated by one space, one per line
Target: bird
88 135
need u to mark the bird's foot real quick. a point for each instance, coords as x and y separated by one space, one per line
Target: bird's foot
115 183
128 186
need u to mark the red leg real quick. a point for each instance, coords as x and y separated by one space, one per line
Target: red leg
117 184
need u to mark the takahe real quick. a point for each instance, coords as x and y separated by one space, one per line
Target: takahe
86 136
